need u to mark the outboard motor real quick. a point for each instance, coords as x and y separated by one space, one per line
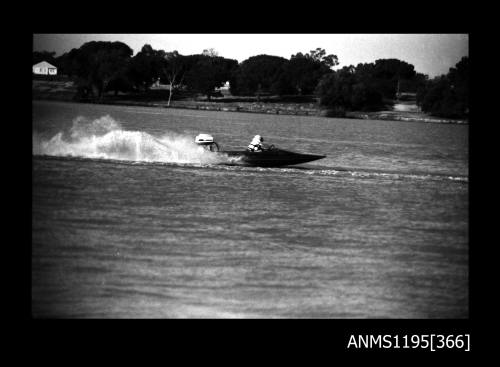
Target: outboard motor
207 142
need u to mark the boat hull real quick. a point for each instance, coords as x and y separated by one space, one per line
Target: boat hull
272 158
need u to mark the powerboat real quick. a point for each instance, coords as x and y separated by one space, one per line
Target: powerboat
270 157
273 157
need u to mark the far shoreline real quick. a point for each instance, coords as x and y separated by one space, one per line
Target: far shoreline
193 105
65 92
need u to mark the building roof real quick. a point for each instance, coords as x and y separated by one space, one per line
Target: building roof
44 64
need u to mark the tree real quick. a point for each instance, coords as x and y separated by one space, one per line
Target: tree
387 73
459 79
62 64
392 69
303 72
365 98
95 64
121 83
146 67
335 90
414 84
210 52
447 95
257 75
320 55
347 89
174 68
205 73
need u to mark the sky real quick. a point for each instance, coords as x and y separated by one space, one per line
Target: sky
431 54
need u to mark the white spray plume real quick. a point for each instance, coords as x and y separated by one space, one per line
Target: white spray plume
104 138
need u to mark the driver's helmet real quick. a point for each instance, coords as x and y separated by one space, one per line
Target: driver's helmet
257 139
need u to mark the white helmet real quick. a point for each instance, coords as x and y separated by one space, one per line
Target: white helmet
257 139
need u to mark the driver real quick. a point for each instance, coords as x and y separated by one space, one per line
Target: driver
256 145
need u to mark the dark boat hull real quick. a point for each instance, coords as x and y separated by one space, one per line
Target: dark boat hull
272 158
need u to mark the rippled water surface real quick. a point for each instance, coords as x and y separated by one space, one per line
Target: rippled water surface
130 219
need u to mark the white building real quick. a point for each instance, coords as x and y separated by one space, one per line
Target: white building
44 68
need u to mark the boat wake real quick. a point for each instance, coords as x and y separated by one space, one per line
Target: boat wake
360 173
393 175
104 138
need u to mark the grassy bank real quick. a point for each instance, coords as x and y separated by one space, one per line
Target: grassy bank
64 90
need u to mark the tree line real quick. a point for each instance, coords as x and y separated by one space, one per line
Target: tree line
447 95
98 67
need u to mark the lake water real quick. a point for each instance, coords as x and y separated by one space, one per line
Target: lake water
130 219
